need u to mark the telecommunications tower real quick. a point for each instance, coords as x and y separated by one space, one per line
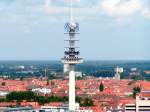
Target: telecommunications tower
71 58
71 55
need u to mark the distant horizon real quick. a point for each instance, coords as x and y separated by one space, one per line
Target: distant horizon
84 60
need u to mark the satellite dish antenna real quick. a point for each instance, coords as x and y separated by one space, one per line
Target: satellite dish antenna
71 25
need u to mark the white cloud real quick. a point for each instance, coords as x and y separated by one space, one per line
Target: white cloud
120 8
146 13
47 3
75 1
58 10
79 13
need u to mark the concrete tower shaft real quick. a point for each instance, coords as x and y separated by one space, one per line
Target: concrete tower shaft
71 58
72 91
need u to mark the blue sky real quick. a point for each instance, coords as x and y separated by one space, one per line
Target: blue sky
109 29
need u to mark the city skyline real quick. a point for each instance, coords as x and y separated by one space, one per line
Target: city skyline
109 29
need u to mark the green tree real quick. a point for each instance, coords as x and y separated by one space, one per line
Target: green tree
57 99
79 78
47 83
137 77
86 102
78 99
136 90
19 96
101 87
30 96
77 87
2 99
51 76
41 100
123 76
21 78
3 84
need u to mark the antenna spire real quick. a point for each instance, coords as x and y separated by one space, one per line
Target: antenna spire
71 54
71 11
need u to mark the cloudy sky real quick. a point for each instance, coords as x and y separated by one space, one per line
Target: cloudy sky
109 29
